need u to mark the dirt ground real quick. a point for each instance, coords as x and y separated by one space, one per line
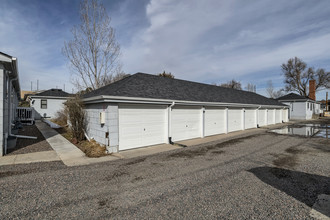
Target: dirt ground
24 145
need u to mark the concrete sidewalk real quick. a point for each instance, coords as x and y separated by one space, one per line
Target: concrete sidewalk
43 156
67 152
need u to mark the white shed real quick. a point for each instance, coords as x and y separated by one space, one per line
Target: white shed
49 102
300 107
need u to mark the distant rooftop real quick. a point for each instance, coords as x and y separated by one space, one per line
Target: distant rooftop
54 93
293 96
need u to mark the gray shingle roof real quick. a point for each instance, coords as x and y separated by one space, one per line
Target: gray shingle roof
151 86
293 96
53 93
5 54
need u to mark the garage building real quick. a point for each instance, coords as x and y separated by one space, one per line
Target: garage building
143 110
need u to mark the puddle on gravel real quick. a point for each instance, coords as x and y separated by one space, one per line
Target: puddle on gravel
307 130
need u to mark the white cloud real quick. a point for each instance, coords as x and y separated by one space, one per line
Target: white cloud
217 40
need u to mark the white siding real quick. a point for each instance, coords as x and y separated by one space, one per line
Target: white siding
186 122
2 98
98 131
141 125
250 118
215 121
53 106
297 110
235 119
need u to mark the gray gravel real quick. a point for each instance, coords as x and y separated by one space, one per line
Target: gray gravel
263 176
24 145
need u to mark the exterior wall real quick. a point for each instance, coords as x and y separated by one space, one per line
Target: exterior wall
98 131
297 110
309 110
303 110
108 133
53 106
318 108
2 94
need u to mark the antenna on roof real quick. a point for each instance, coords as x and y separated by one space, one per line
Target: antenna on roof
31 86
37 84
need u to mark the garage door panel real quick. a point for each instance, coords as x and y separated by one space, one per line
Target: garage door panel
235 120
215 121
262 117
278 115
141 125
250 118
186 123
271 117
285 115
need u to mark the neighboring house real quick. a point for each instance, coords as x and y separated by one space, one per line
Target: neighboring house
49 102
9 98
300 107
144 109
324 105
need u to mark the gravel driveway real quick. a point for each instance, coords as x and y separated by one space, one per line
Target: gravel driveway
261 176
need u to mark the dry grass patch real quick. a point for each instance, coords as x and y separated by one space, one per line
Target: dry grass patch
90 148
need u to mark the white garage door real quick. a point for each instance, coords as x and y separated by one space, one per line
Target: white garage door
215 121
271 117
262 117
278 116
285 115
186 122
250 118
235 120
141 125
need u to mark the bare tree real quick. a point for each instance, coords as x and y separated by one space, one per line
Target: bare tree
297 76
115 77
232 84
272 93
165 74
93 53
251 87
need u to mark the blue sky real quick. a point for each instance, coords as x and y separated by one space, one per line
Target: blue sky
208 41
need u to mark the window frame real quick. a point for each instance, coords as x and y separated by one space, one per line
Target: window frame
43 105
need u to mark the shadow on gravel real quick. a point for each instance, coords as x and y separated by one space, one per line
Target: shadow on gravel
212 148
304 187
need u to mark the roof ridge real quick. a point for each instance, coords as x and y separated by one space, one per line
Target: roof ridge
113 83
184 80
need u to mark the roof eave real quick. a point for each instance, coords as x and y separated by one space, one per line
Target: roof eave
104 98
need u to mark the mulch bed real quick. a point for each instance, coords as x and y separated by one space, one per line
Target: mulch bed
24 145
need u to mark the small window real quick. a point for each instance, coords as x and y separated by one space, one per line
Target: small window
307 105
44 103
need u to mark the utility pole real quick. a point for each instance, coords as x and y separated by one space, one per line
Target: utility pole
326 102
31 86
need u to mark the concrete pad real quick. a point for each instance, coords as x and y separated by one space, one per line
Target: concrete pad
321 208
43 156
7 160
66 151
213 138
144 151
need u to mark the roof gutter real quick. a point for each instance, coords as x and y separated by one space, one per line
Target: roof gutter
123 99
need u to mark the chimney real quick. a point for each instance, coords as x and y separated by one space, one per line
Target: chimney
312 89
